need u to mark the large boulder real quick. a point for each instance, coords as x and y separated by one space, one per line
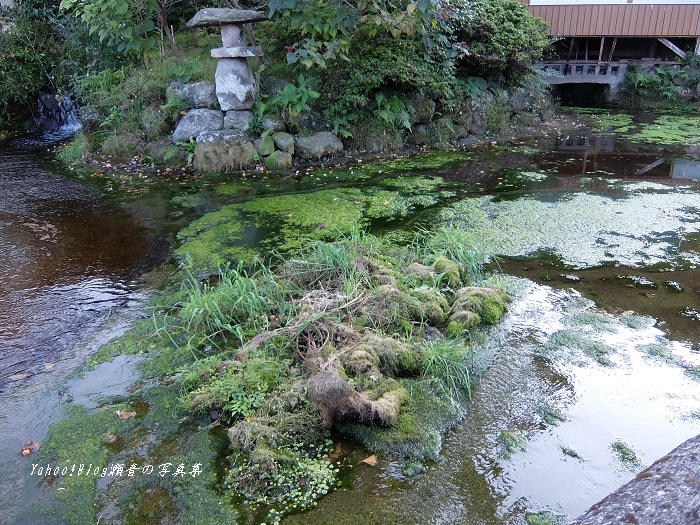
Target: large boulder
195 122
522 99
664 494
194 94
224 152
318 145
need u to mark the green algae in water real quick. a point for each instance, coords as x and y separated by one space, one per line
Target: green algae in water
670 130
284 222
579 342
612 123
625 454
597 321
607 229
79 439
512 441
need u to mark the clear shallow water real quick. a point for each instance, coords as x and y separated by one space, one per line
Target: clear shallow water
641 400
67 266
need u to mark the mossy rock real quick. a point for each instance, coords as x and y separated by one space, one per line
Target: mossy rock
264 146
456 329
279 161
381 274
166 153
417 433
449 270
360 361
121 147
435 305
488 303
338 401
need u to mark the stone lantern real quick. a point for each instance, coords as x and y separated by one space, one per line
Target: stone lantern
235 86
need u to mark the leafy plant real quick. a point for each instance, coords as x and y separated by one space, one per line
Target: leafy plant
125 24
189 146
474 86
395 111
295 98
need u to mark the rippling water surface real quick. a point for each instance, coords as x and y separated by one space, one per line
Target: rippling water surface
67 262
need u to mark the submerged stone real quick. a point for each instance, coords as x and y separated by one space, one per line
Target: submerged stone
666 493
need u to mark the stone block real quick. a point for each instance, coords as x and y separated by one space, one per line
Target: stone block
284 141
235 86
195 121
274 124
213 16
194 94
224 151
236 119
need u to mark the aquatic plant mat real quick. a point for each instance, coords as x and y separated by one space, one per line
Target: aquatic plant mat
245 373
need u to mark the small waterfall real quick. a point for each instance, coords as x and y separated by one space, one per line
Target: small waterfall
57 118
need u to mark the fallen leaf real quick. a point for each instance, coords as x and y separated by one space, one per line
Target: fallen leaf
630 286
371 461
30 447
48 366
628 312
123 414
17 377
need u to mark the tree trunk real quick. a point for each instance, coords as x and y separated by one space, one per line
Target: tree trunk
162 15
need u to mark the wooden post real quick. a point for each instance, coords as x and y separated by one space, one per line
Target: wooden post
673 47
612 49
602 45
571 48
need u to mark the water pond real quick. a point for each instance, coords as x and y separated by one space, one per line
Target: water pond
592 374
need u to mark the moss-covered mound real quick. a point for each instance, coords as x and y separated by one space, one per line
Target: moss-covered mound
351 335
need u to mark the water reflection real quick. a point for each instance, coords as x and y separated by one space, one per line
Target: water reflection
607 155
